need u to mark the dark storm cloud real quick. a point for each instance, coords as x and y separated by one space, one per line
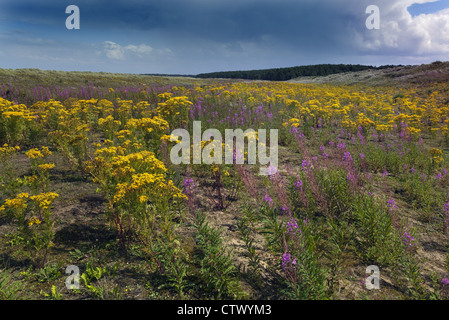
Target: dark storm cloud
194 36
305 24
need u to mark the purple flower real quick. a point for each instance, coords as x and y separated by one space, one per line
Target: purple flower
286 259
362 156
408 240
391 203
412 170
292 227
306 164
446 208
272 172
385 173
341 145
351 177
298 184
267 198
347 156
444 281
189 184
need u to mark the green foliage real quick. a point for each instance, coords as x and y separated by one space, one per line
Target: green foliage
423 195
375 237
93 275
248 230
303 273
49 272
272 227
217 270
9 289
172 263
54 294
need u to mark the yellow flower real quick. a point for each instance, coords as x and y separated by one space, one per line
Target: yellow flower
44 200
435 152
32 178
6 149
34 154
17 203
170 137
34 220
46 166
414 131
436 155
46 151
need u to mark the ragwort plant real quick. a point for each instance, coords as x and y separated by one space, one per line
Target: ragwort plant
33 216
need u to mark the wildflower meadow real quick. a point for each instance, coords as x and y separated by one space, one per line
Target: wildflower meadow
88 181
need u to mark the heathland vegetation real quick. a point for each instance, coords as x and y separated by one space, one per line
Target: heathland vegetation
86 180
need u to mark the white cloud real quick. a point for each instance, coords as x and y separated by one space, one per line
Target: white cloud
118 52
402 34
114 50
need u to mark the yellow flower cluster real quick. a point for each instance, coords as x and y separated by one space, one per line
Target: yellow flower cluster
7 150
18 203
148 124
44 200
145 184
34 220
173 106
437 155
35 153
46 166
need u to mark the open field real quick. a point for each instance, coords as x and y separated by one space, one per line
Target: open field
86 180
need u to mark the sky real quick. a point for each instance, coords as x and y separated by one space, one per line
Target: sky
197 36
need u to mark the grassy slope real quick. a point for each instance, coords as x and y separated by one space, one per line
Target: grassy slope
44 78
403 76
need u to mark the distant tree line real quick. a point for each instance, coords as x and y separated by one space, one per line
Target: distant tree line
283 74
